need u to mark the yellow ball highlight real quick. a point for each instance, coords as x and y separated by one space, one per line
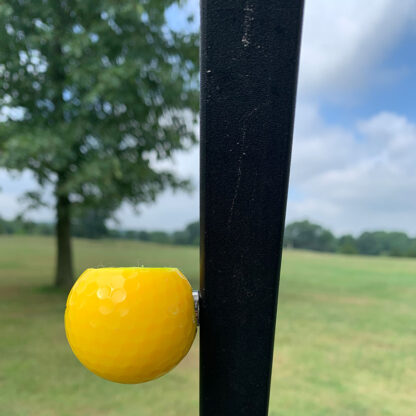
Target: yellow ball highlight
130 324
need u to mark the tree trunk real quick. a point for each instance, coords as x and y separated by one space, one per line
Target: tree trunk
64 270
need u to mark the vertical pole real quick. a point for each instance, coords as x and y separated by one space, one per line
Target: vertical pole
249 64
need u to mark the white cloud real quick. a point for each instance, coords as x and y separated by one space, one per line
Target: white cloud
318 147
9 205
367 178
12 188
343 40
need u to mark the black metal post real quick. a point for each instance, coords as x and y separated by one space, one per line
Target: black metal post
249 64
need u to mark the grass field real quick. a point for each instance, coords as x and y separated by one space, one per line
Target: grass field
346 337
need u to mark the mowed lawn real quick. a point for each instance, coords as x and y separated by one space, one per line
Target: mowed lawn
346 336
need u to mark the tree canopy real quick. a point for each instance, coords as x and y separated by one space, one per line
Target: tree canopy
304 234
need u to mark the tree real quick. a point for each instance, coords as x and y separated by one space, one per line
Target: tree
347 244
190 235
160 237
372 243
384 243
304 234
90 223
411 251
92 95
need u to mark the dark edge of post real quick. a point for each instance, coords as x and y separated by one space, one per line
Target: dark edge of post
249 66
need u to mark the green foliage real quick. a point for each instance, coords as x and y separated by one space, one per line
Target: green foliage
347 245
189 236
95 93
20 226
160 237
304 234
90 223
382 242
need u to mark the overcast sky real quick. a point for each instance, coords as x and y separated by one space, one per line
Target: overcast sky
354 156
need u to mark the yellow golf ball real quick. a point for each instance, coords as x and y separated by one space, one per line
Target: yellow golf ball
130 324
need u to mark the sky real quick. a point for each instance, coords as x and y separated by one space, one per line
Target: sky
354 151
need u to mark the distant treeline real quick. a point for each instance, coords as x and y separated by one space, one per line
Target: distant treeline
93 226
188 236
22 226
301 235
309 236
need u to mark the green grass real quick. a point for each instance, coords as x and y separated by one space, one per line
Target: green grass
346 337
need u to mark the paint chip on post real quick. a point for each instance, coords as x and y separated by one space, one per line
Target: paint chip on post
248 17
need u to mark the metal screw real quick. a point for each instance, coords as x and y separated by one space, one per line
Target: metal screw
195 294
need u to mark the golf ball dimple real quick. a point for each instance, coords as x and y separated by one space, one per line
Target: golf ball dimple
130 325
